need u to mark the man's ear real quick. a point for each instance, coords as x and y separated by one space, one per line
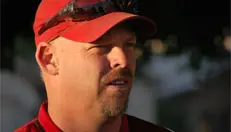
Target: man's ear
46 58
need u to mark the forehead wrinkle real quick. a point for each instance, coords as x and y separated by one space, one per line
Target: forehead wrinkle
66 46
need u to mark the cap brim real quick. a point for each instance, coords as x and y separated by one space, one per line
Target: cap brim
90 31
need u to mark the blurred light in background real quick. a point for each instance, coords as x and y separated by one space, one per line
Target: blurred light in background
157 46
227 43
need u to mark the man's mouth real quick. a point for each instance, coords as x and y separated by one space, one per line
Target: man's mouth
119 78
118 82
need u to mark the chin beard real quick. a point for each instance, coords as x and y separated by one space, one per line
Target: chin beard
114 103
115 111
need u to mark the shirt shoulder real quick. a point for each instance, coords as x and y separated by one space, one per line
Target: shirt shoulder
31 126
138 125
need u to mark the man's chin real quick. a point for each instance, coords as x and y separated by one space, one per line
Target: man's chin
115 104
115 111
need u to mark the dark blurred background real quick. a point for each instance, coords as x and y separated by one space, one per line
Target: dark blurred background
183 73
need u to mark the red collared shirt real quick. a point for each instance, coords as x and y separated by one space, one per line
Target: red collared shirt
44 123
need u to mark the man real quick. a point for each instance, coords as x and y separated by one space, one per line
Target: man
85 50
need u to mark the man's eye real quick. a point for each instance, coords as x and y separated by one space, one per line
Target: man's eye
103 48
130 44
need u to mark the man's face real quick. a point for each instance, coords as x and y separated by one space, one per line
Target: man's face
97 76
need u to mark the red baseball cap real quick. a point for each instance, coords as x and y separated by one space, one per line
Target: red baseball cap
88 30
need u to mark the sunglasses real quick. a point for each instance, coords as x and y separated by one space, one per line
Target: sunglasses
73 12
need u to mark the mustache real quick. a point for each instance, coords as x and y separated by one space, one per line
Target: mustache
116 74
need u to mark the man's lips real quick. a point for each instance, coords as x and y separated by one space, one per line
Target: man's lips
118 82
121 81
119 78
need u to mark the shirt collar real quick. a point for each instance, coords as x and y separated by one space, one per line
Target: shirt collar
45 120
49 126
124 125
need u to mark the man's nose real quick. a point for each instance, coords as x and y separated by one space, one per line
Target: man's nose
118 58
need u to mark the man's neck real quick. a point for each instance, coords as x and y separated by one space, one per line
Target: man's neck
112 125
83 121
